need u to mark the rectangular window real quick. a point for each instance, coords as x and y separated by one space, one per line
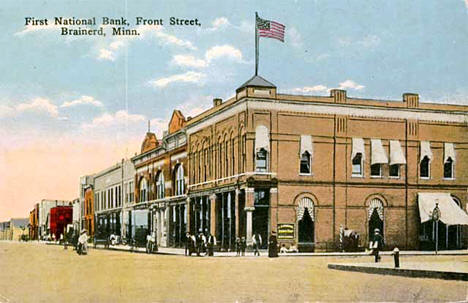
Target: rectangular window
424 168
357 165
305 163
261 160
394 171
376 170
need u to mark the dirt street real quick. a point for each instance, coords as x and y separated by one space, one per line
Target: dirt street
32 272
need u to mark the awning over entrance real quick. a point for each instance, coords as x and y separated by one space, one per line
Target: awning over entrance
450 212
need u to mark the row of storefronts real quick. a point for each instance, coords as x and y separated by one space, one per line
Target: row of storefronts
303 167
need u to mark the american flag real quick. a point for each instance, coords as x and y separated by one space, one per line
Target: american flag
270 29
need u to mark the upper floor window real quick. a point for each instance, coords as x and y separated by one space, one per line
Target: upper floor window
261 160
448 168
306 154
357 165
262 147
449 161
394 170
424 167
378 157
160 186
357 157
179 180
425 160
143 190
305 163
397 158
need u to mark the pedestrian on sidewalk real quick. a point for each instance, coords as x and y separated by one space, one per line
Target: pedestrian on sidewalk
238 246
211 244
378 244
273 246
243 246
256 243
187 243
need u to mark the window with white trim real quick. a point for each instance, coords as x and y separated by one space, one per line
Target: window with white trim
143 190
261 160
425 167
448 168
160 190
305 163
357 165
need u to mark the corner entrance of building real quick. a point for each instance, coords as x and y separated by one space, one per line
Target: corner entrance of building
261 215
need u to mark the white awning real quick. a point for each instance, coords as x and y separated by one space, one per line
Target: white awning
449 152
358 147
306 144
396 153
305 203
426 150
450 212
262 138
378 155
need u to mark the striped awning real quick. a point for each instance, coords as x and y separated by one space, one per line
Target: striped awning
305 203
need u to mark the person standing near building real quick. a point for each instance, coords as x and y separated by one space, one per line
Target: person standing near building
243 246
272 246
187 243
257 243
378 244
238 246
211 244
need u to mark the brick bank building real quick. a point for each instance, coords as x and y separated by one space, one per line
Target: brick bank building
304 166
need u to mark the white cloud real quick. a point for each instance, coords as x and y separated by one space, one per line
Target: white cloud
158 126
219 23
350 84
105 54
216 52
369 41
189 61
294 37
226 50
39 105
120 117
188 77
81 101
310 89
173 40
466 3
6 111
37 28
195 105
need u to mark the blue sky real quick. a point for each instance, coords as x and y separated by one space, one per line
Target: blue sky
58 91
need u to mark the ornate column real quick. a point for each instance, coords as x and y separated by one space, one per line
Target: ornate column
249 208
213 217
273 208
187 213
236 212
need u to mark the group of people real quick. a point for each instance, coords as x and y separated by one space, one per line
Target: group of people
199 244
205 244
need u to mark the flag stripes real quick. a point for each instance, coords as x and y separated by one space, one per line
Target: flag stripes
270 29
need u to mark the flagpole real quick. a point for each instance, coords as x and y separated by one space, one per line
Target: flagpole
256 45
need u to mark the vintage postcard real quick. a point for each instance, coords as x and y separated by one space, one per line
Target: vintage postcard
234 151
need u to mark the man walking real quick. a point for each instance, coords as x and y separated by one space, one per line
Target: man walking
377 245
273 246
257 243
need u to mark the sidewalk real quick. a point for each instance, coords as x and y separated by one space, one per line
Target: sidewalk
181 251
457 270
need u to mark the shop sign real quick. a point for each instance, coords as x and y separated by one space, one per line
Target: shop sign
285 231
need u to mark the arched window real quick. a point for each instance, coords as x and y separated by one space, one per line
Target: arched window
180 186
160 186
357 165
143 190
305 219
305 163
448 168
425 167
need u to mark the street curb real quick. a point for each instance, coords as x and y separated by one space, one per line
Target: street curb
413 273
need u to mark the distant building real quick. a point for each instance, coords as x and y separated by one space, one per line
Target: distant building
76 214
111 187
34 223
18 228
86 197
44 215
161 185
